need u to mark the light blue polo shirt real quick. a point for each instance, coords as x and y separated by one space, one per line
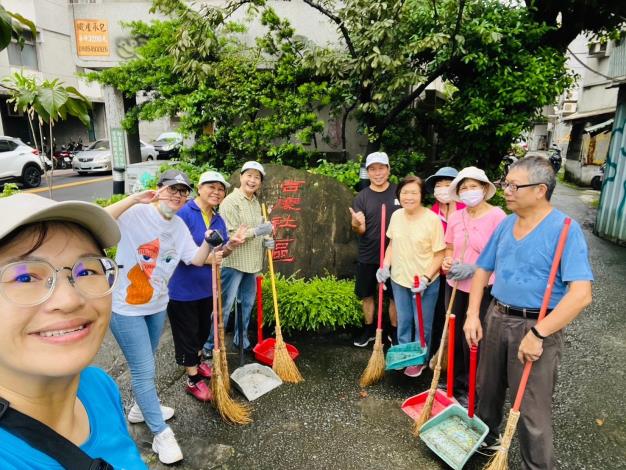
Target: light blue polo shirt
522 266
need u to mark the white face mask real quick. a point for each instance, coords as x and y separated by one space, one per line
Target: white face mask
442 194
166 210
472 198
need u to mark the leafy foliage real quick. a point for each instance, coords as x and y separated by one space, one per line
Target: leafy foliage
320 302
345 173
12 26
9 189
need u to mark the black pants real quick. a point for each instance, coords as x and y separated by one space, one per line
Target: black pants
461 348
439 317
191 324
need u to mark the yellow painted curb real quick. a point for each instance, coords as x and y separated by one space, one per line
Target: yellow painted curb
68 185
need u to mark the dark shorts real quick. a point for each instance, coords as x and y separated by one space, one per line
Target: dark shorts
366 284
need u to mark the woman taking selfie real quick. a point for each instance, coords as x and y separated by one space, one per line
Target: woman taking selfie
55 306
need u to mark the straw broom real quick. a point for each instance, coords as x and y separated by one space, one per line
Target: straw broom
375 370
428 406
229 409
283 364
223 358
500 460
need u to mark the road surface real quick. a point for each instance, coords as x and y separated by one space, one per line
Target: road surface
68 185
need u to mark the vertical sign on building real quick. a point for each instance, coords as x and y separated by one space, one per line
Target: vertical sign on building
118 148
92 37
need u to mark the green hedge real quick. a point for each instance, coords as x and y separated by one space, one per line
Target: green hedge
320 302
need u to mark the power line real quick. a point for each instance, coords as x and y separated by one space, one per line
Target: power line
590 69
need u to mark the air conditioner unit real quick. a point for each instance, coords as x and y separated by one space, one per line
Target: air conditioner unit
569 108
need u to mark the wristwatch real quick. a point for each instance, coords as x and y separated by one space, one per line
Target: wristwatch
536 333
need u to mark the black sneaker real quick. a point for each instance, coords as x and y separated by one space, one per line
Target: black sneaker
366 337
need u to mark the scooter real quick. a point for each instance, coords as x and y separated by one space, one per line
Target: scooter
555 158
63 158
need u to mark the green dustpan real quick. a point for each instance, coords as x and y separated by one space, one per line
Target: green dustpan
455 434
405 355
409 354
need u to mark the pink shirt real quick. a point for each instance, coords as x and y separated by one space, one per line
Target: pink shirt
469 236
435 208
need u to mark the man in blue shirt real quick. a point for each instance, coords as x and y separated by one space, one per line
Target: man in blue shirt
520 253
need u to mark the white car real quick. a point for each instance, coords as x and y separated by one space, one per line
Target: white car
19 163
97 157
148 152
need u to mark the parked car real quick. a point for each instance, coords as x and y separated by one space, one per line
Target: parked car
168 145
598 179
19 163
148 152
96 158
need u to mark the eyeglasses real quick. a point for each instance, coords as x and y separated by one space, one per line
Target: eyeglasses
31 282
514 187
172 190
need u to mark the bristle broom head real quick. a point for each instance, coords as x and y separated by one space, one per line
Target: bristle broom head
375 370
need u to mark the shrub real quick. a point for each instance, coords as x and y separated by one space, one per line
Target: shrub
192 170
320 302
104 202
346 173
9 189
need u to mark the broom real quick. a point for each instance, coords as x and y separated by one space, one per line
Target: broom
283 364
229 409
375 370
500 460
428 406
220 319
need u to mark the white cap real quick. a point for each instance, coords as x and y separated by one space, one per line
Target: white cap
212 177
253 166
23 208
377 157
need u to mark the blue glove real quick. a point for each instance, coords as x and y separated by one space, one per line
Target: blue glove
269 243
461 271
263 229
382 274
422 287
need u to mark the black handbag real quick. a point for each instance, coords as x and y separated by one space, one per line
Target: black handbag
48 441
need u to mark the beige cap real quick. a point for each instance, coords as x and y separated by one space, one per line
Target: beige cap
22 209
473 173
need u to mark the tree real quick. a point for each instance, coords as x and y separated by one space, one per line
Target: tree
45 103
239 101
11 27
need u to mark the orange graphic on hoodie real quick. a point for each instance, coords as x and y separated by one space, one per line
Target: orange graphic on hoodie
140 290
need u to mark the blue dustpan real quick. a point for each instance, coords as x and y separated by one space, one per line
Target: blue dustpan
455 434
405 355
409 354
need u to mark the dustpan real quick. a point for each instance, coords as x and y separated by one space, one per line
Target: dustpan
455 434
409 354
264 349
252 380
413 406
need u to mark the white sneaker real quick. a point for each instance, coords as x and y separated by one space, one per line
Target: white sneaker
136 416
166 446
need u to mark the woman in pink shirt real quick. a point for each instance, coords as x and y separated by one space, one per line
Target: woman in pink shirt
467 234
444 207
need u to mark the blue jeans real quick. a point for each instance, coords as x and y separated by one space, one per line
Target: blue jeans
241 286
408 326
138 338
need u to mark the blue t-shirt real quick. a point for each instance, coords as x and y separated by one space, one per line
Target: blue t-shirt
108 438
522 267
194 282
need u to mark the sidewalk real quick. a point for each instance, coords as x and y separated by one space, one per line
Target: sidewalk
326 423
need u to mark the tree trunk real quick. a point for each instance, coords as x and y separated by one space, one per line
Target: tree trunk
52 160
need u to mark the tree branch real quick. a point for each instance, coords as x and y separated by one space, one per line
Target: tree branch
338 21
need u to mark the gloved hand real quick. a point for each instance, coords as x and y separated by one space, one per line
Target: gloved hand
263 229
213 238
422 287
382 274
269 243
461 271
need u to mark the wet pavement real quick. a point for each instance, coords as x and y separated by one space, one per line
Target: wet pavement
328 422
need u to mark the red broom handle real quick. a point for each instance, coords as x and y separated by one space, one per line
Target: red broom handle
215 312
420 313
472 380
259 308
383 220
451 324
544 307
